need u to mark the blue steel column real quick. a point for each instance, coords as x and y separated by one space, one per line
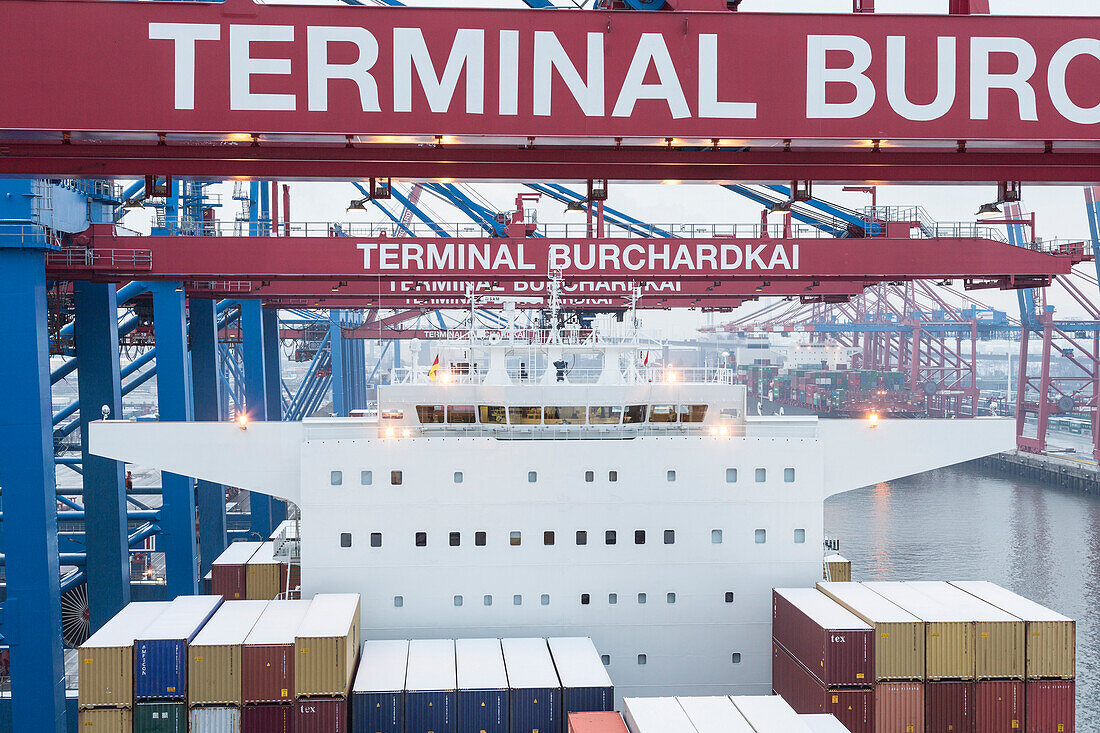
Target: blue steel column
255 401
100 384
209 496
174 404
273 386
336 346
32 610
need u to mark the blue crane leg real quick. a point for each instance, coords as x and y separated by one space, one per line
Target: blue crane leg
209 496
336 344
273 386
255 400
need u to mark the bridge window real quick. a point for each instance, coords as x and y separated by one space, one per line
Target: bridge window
492 414
605 415
336 477
692 413
571 415
788 475
634 414
461 414
525 415
430 414
662 413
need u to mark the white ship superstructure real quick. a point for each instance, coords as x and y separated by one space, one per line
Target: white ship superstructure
506 492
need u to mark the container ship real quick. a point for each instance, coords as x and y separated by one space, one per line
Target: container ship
499 492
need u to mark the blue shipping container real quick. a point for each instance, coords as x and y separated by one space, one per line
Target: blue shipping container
536 710
483 711
160 656
430 712
378 712
589 699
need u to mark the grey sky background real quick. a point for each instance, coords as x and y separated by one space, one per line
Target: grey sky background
1060 210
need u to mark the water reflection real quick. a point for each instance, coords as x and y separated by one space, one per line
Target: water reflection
962 524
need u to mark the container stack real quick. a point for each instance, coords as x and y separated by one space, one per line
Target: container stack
770 714
714 715
596 723
326 652
535 696
431 686
482 685
229 573
265 577
267 664
378 690
105 669
763 714
161 660
214 667
823 657
586 686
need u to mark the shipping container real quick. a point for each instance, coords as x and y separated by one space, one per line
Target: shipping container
585 684
160 651
949 707
267 657
1050 644
596 723
105 672
218 719
482 686
655 715
838 569
716 714
769 714
378 690
1049 706
998 636
265 577
160 717
535 696
998 705
327 646
899 707
229 572
268 718
948 635
214 655
106 720
431 683
822 723
321 715
899 635
833 643
804 692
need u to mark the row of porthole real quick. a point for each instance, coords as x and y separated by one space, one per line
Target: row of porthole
549 538
735 658
544 599
366 478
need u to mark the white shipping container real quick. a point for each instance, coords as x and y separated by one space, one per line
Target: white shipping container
529 664
480 664
770 714
237 553
182 620
215 720
578 663
431 665
382 667
823 723
655 715
714 714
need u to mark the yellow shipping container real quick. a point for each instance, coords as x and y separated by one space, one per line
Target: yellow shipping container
899 635
948 634
214 655
105 720
326 647
264 575
1050 639
105 666
838 568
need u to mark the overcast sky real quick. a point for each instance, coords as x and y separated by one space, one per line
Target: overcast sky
1060 210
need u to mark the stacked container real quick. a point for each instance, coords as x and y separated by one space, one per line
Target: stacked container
431 684
267 664
853 706
535 700
714 715
265 577
655 715
586 687
161 660
214 667
228 573
105 668
482 686
770 714
326 652
378 690
821 723
596 723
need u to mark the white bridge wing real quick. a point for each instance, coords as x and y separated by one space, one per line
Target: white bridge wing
265 458
858 455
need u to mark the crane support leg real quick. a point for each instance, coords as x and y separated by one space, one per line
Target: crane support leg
209 496
255 401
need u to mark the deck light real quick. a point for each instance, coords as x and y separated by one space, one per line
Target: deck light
390 432
242 421
990 208
357 205
872 420
670 376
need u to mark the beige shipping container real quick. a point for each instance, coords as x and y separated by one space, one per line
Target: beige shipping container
264 575
899 635
105 666
838 568
948 635
214 655
1050 639
326 647
998 636
106 720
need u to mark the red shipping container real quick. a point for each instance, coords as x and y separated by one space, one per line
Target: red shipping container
596 723
1049 706
899 707
268 673
830 641
267 719
949 707
998 706
227 581
321 715
804 692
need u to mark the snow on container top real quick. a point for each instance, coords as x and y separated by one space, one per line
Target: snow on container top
278 624
231 624
127 625
1008 601
823 723
770 714
382 667
656 715
714 715
971 608
578 663
529 664
182 620
921 605
237 553
480 664
824 611
867 604
330 614
431 666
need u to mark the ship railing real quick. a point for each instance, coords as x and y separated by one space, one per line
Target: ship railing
800 429
575 375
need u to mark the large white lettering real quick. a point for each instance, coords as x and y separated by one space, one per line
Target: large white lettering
709 106
651 48
242 67
982 80
468 51
321 70
819 75
550 55
945 80
1056 80
184 36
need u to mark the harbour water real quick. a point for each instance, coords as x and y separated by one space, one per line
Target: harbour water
961 523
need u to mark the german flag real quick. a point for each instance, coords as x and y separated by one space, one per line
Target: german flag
433 370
